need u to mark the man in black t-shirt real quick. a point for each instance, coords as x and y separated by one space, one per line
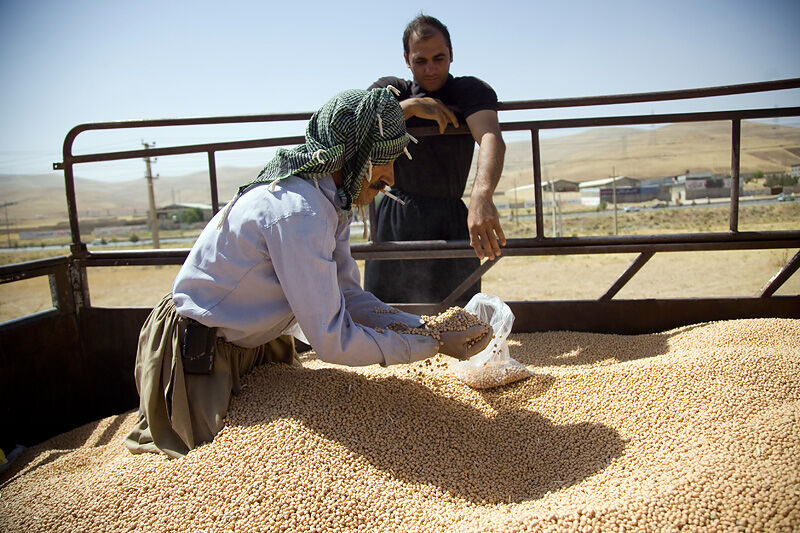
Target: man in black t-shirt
432 183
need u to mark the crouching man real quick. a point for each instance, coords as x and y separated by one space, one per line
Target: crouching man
276 256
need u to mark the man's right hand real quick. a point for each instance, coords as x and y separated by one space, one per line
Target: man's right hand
429 109
454 343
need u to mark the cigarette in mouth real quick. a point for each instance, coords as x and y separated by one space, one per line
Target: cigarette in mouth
392 196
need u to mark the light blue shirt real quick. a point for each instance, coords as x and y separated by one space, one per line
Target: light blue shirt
282 257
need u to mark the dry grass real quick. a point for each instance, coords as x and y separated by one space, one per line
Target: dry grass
759 217
667 275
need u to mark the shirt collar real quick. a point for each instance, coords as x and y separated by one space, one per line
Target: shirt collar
328 187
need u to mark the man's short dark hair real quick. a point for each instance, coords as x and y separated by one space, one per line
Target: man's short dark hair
424 26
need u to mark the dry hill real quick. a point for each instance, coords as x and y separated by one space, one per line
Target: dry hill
650 153
591 154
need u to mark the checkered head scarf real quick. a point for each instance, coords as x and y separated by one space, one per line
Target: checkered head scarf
353 131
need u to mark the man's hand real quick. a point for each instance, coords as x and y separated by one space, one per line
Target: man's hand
429 109
454 343
483 221
484 228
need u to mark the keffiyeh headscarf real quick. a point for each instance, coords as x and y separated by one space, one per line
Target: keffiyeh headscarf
353 131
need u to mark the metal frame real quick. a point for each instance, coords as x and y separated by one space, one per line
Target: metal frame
74 363
646 246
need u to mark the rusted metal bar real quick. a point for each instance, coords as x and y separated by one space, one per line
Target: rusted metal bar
634 248
186 149
190 121
705 92
736 138
632 120
212 177
137 257
626 276
512 250
460 250
513 247
469 282
567 242
77 247
537 183
61 290
780 278
57 271
31 269
79 283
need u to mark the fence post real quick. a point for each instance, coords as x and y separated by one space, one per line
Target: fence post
736 137
537 183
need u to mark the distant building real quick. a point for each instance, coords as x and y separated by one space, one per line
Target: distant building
694 176
628 190
560 185
173 212
523 196
665 180
621 181
695 185
795 172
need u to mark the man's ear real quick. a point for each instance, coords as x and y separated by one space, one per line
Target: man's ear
405 56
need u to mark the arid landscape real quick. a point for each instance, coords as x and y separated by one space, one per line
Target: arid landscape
642 153
579 277
668 150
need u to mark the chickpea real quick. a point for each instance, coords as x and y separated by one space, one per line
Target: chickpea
697 428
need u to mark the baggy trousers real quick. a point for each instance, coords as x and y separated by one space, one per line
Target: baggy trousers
179 411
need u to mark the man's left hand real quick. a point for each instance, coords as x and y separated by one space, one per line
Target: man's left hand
485 233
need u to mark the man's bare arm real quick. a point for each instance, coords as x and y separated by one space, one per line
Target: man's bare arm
429 109
483 220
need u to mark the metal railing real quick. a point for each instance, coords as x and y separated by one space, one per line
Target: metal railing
645 245
73 364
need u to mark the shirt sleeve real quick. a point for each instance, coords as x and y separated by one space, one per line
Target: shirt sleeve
363 306
473 95
302 249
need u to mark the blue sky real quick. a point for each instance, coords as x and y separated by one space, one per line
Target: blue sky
70 62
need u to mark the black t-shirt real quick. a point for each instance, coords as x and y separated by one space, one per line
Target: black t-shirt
440 167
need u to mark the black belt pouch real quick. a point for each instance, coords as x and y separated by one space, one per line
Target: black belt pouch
198 348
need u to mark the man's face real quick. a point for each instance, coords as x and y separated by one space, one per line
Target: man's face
429 60
382 176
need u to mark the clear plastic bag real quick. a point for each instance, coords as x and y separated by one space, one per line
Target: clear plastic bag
493 366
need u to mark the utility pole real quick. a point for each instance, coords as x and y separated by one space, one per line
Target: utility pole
553 196
514 212
614 194
151 197
560 215
5 208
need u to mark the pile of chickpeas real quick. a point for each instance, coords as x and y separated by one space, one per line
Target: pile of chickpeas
453 319
696 428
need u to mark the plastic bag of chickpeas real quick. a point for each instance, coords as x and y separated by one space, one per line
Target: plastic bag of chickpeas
493 366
